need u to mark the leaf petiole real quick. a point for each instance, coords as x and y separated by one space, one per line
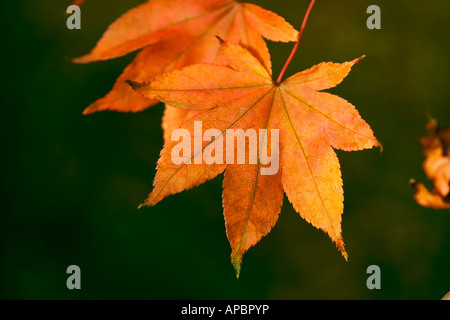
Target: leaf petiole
294 50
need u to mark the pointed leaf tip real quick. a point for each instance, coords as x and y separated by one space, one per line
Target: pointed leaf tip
379 145
236 262
340 246
345 255
360 58
150 202
78 60
145 204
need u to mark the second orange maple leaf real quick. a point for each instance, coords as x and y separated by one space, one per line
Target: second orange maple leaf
176 33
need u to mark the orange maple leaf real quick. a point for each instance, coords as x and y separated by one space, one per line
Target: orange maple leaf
436 147
242 95
176 33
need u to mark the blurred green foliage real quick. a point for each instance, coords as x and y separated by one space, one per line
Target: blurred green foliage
71 183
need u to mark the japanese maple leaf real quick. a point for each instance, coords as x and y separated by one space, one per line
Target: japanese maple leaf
436 147
176 33
242 95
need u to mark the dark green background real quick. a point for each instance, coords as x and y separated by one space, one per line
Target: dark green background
71 183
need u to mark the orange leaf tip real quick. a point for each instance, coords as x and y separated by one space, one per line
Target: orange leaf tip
340 246
79 60
141 205
147 203
379 145
236 262
345 255
359 59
